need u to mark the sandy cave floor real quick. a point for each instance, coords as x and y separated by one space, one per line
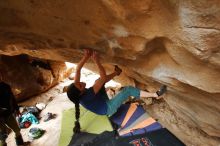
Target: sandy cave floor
59 103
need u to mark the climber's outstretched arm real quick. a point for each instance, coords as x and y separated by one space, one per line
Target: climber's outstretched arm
101 81
87 54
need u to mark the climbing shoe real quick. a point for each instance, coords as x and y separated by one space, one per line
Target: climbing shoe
49 116
162 90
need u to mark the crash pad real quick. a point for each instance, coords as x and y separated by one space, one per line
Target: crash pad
89 121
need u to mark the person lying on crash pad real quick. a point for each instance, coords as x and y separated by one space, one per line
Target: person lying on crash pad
95 98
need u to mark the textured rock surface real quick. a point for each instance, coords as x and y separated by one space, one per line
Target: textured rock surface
173 42
28 76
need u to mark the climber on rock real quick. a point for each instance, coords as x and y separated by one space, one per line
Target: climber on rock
95 98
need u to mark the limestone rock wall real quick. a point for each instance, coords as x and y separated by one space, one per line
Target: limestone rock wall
173 42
